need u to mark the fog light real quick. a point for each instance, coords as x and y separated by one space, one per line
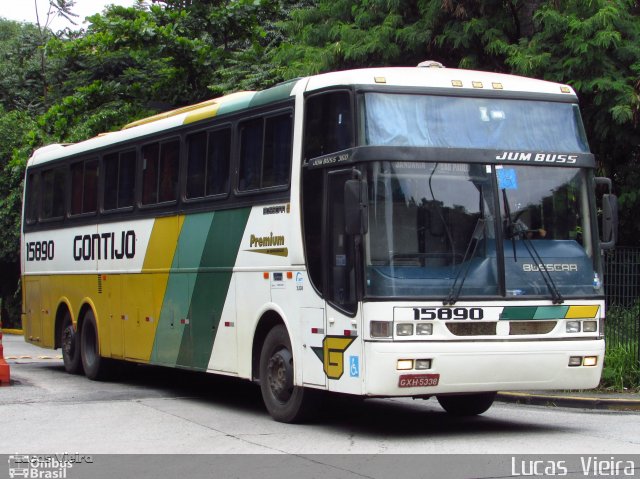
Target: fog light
424 329
423 363
405 329
573 326
575 361
590 361
590 326
404 364
380 329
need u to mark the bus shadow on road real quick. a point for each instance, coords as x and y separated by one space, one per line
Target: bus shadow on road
395 417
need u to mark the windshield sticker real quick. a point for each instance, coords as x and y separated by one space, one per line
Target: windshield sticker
507 179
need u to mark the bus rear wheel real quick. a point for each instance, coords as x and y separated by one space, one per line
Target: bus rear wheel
467 404
95 366
70 345
284 401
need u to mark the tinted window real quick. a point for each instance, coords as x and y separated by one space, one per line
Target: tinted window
250 154
84 187
119 183
33 196
208 163
265 152
160 172
328 124
53 192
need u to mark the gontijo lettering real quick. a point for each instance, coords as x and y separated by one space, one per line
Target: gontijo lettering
104 246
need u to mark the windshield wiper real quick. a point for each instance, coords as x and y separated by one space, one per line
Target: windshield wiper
515 229
546 276
477 234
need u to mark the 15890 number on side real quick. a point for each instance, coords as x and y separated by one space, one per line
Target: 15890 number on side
40 250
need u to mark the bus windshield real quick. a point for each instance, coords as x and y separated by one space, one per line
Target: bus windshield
480 123
434 230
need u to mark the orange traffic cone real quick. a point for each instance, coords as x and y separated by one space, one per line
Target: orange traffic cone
5 374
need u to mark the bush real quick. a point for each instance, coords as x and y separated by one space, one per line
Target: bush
621 368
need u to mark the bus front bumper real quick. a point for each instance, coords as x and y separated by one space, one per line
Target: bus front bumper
459 367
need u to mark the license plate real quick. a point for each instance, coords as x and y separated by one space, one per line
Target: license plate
418 380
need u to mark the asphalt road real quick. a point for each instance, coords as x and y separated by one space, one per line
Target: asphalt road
158 410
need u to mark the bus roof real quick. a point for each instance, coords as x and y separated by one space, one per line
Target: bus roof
419 77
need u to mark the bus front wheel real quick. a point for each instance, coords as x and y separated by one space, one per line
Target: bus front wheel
70 345
95 366
284 401
467 404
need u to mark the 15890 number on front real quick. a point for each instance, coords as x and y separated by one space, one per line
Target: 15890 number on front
447 313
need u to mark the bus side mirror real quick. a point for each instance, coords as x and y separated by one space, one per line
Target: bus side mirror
609 221
609 216
356 203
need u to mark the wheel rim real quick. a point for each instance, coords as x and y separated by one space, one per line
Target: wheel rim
280 375
89 344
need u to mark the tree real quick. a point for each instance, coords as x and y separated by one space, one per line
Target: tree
593 46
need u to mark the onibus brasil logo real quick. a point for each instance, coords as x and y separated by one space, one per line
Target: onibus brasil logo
44 466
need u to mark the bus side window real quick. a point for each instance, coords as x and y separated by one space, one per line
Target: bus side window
150 159
265 152
168 181
84 187
119 181
218 157
196 166
328 124
277 151
53 193
160 172
251 139
208 163
33 197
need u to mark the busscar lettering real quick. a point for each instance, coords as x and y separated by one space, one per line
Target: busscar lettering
105 246
556 267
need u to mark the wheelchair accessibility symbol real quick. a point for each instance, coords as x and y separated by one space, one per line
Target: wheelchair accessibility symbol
354 367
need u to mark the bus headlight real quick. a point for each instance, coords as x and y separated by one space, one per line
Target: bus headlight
573 326
590 326
404 329
424 329
380 329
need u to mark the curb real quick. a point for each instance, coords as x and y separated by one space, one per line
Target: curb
552 400
17 332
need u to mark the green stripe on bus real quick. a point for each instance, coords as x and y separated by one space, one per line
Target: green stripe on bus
175 305
211 286
518 312
551 312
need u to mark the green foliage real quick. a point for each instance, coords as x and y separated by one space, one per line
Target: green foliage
622 360
621 369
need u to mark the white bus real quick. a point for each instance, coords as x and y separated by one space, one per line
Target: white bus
378 232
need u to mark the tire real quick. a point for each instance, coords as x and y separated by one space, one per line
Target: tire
284 401
95 367
467 404
70 345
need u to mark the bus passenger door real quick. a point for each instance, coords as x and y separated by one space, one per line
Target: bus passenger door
342 345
